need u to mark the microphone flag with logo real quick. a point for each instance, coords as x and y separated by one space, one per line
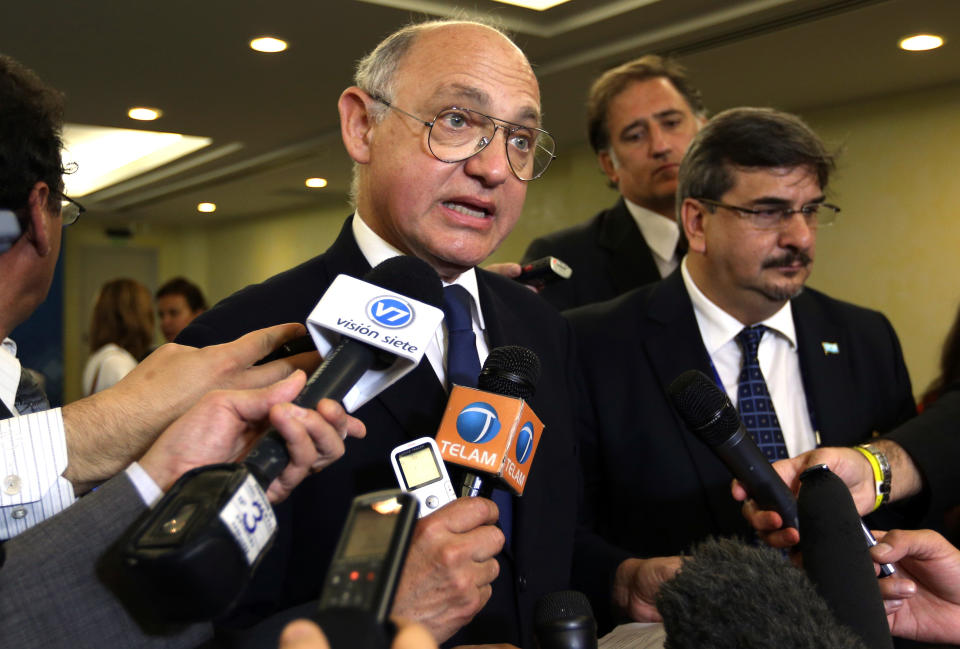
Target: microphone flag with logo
389 317
492 431
190 558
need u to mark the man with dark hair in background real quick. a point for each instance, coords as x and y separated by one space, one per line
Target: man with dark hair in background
641 117
803 368
179 301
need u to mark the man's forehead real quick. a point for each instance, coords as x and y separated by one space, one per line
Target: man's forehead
648 98
470 96
771 182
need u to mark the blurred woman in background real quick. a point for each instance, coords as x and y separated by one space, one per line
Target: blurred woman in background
121 333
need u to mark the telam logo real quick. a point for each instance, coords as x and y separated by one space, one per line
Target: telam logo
390 311
478 423
524 442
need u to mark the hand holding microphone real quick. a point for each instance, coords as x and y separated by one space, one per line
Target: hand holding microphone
492 433
707 411
195 552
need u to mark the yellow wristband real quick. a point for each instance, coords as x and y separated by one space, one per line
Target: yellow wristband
877 475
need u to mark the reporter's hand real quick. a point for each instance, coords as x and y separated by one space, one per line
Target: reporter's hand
923 599
847 463
225 425
451 563
637 583
110 429
304 634
511 270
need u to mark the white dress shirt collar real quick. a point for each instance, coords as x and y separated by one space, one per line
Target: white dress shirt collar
661 234
717 327
9 373
376 250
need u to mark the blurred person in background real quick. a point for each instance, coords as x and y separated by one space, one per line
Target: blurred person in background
179 301
121 333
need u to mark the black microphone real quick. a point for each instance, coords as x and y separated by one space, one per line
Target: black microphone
511 371
564 620
728 595
837 559
349 360
709 414
194 553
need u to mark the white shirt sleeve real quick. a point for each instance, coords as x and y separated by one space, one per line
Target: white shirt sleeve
33 455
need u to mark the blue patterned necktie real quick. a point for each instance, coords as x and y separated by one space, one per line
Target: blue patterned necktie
463 368
753 398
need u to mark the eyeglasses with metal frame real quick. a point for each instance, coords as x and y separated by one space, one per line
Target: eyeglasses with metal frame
457 134
775 217
70 210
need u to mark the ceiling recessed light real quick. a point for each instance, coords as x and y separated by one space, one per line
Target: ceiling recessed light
144 114
921 42
206 207
536 5
316 182
268 44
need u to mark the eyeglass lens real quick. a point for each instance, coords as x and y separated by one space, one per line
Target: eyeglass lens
458 134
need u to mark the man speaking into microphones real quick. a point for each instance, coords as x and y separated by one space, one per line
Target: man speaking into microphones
421 191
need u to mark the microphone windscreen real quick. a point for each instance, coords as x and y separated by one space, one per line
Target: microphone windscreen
408 276
512 371
728 595
704 407
836 555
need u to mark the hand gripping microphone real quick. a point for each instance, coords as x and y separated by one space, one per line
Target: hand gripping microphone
491 432
564 620
191 557
837 559
708 412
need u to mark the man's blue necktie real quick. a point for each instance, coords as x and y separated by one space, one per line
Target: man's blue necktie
753 398
463 368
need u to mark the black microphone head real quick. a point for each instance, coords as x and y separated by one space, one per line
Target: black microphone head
836 555
512 371
728 595
564 620
408 276
704 407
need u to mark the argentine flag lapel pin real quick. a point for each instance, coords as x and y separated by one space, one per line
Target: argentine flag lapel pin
830 348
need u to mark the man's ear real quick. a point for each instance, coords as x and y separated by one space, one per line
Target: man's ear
356 123
692 214
610 169
39 219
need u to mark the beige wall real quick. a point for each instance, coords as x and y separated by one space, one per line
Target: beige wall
893 249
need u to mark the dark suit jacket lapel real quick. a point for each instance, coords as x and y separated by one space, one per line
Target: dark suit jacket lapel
674 345
417 400
631 262
827 377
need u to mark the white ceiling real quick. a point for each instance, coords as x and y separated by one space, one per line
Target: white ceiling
273 118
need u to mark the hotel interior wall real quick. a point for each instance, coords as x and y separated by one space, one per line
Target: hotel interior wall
895 247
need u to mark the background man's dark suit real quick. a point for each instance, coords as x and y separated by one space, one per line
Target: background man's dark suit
312 517
652 487
608 254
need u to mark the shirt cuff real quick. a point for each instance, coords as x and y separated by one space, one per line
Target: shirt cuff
149 492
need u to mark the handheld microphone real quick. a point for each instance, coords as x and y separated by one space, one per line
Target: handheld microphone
195 551
836 558
708 412
564 620
491 432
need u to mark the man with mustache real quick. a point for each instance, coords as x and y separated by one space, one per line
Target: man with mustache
641 117
803 368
